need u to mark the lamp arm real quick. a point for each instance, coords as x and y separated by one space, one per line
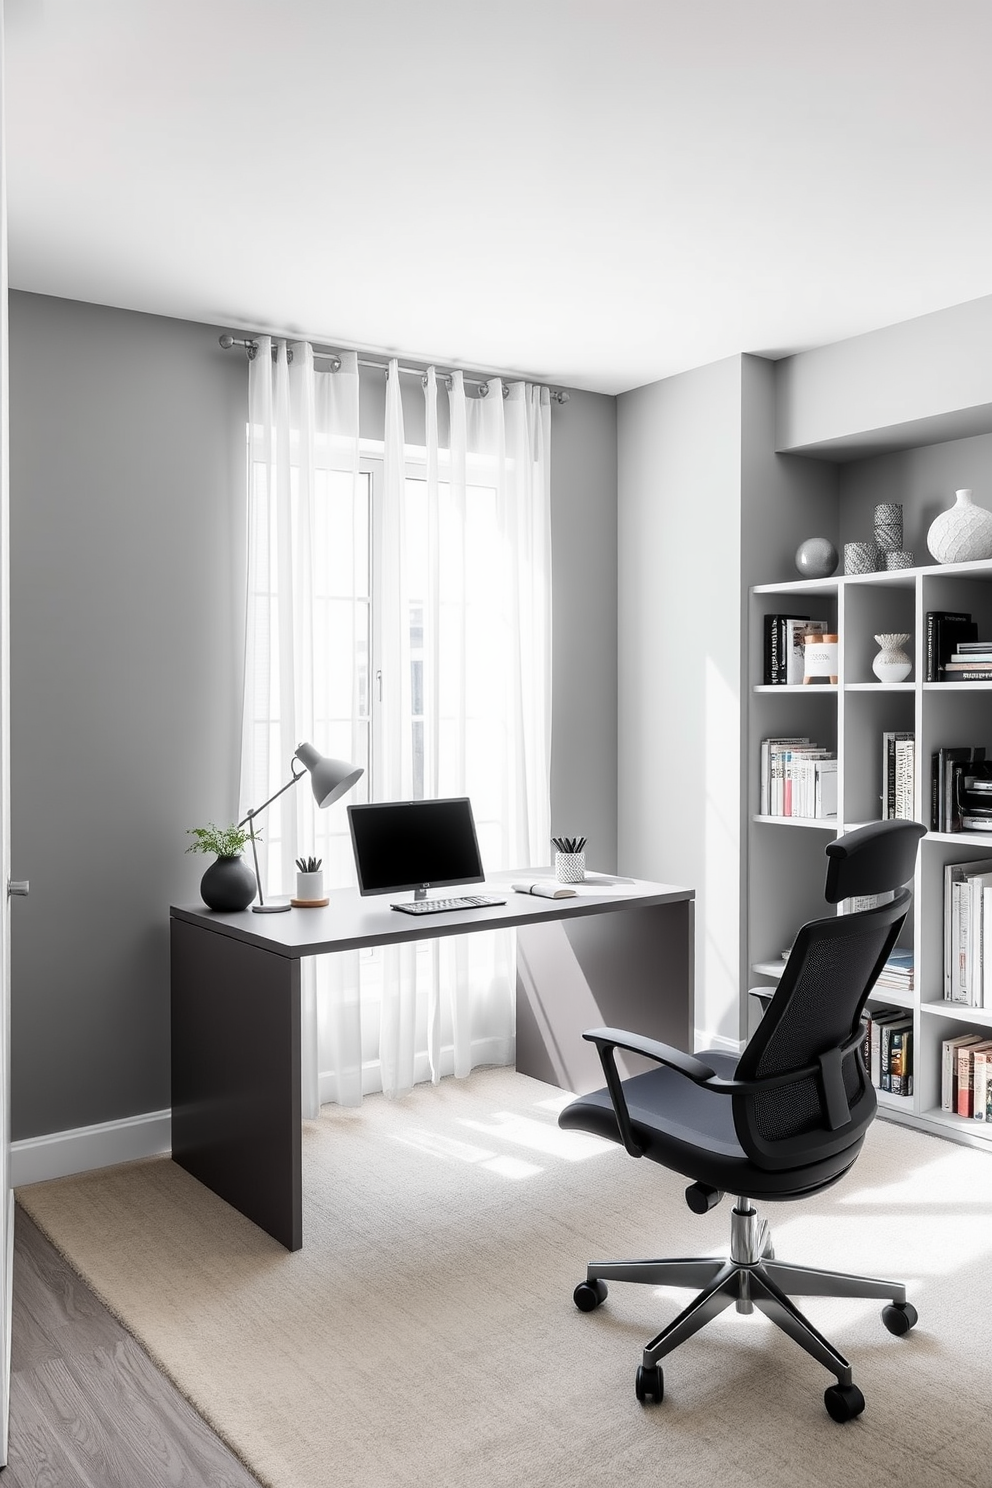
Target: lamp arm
292 781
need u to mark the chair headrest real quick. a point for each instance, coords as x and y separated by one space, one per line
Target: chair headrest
872 859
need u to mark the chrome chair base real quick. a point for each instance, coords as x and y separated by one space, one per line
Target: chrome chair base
751 1277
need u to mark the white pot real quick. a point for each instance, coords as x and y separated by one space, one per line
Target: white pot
892 664
963 533
310 885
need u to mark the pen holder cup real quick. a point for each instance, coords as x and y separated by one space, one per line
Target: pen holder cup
570 867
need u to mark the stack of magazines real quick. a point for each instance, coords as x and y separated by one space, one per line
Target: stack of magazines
897 973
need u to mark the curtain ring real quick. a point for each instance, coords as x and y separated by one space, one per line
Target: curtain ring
483 390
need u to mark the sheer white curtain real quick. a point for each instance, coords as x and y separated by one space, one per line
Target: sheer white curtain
456 622
307 653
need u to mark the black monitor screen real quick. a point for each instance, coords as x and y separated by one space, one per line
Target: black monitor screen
414 844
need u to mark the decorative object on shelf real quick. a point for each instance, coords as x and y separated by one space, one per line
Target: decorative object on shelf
816 558
860 558
888 527
330 779
309 885
228 884
963 533
570 860
899 559
892 664
820 658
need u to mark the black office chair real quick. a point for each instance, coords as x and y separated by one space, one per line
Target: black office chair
784 1119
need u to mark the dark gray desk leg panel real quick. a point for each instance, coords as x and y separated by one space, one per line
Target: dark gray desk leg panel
630 968
236 1076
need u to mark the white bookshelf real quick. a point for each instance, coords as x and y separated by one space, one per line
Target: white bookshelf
786 859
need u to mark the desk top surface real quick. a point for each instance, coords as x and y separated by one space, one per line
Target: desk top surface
350 922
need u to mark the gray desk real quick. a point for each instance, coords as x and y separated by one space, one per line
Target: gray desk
618 955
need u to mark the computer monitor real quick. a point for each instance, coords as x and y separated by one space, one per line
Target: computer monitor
414 845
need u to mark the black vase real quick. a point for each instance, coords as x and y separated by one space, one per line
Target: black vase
228 884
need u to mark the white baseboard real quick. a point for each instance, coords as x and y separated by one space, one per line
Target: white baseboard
718 1041
58 1154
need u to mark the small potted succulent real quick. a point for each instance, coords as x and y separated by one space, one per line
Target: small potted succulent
309 882
228 884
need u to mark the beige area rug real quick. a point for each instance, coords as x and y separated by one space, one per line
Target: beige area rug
425 1334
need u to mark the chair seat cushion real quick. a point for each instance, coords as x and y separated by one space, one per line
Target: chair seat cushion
690 1129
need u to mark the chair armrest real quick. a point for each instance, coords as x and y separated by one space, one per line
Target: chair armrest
608 1040
635 1043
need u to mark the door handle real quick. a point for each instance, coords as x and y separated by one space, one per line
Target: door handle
18 886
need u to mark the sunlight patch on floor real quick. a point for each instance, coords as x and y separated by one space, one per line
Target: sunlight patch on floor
436 1145
524 1131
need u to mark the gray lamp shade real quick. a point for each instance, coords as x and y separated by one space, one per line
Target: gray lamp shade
330 778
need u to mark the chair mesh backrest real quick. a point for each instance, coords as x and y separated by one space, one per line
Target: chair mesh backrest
816 1008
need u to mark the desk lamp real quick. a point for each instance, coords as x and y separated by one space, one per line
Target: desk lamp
330 779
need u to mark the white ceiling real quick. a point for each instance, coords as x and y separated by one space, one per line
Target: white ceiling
595 192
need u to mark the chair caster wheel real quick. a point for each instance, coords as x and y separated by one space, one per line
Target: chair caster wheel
899 1317
843 1402
589 1294
649 1384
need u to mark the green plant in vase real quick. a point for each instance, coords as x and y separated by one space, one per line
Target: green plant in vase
228 884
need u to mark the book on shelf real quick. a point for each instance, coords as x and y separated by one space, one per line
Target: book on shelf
798 778
811 785
794 635
905 785
960 895
775 668
767 745
901 1060
966 1076
981 1079
949 1067
945 766
898 972
890 738
888 1030
881 1018
970 661
945 631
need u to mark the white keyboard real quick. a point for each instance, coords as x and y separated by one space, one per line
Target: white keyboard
442 906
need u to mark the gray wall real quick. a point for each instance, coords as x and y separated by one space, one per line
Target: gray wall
127 581
127 541
679 513
918 382
922 481
584 682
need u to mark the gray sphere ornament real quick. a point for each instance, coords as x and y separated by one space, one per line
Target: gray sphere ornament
816 558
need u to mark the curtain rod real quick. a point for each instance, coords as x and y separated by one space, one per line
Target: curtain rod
558 395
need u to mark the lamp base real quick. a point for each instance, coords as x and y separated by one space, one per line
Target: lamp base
270 908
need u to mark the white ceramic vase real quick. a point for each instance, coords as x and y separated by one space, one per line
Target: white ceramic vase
963 533
892 664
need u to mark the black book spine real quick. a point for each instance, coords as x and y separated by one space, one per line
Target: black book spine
766 655
939 644
890 774
934 793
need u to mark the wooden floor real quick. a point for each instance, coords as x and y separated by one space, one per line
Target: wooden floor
88 1409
